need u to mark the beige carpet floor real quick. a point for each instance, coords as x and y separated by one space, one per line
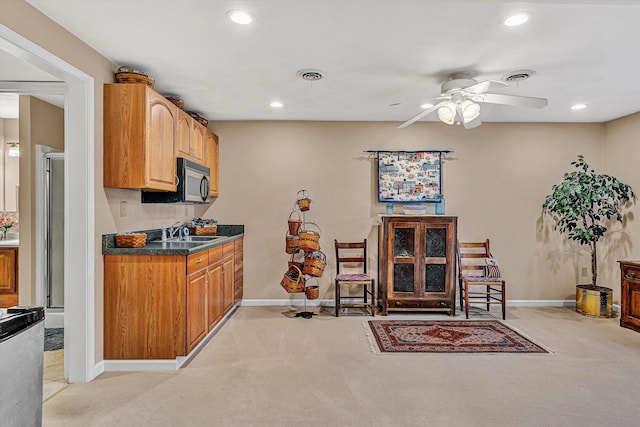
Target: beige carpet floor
264 368
53 374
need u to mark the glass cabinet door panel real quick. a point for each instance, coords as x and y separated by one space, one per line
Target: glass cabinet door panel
436 243
435 278
403 275
403 239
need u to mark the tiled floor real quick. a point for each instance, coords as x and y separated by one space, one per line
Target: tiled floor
53 376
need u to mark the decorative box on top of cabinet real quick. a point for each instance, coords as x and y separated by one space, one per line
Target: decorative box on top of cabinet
630 300
417 257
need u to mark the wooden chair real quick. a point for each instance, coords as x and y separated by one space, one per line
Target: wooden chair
345 254
474 270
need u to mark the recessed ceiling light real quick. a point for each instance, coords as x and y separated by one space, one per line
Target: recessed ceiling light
515 20
425 106
276 104
578 107
240 17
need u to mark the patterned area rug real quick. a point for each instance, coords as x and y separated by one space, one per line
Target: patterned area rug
466 336
53 339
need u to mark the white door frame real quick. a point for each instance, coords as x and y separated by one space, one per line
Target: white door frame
79 289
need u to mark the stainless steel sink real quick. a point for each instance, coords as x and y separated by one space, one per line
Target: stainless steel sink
194 239
159 244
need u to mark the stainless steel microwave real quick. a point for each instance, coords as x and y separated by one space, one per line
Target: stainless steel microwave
194 181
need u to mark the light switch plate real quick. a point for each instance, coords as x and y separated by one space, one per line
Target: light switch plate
123 208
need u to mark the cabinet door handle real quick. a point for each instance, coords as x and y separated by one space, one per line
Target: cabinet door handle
224 267
199 260
630 276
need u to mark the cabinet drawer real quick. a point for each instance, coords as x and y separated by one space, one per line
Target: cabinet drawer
215 254
631 273
197 261
416 303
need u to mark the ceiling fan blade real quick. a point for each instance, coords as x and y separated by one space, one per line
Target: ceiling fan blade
420 115
519 101
473 123
485 86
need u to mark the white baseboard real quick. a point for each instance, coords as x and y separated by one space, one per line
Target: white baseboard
53 319
286 302
540 303
163 364
331 303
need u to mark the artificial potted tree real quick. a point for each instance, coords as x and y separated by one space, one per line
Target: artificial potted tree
582 206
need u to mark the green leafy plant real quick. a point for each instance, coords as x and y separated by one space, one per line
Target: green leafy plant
583 203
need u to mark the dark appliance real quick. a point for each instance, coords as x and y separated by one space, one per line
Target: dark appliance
193 185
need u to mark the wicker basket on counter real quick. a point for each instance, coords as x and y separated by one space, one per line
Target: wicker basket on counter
205 230
131 240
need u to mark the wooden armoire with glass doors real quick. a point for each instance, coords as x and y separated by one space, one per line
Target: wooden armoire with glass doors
417 257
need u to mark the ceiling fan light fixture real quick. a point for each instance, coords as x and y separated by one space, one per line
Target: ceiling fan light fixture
469 110
515 20
447 113
578 107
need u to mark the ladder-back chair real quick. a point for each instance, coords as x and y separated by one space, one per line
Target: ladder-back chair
355 252
479 277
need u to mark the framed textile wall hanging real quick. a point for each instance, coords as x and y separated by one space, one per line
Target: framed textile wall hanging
409 176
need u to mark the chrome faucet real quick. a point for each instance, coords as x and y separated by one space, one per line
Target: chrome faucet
171 231
182 231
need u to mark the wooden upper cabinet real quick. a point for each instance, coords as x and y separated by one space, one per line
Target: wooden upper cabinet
183 135
197 142
189 138
211 160
139 135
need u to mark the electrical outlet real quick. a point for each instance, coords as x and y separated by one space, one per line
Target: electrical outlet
123 208
583 272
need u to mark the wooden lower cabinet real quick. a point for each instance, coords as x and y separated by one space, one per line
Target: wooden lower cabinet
197 325
238 261
630 300
228 275
162 306
8 277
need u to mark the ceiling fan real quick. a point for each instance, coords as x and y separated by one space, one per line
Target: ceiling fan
460 96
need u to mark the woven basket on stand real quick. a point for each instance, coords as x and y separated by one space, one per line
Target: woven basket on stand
312 291
131 240
292 261
292 244
294 224
309 239
293 280
314 264
303 200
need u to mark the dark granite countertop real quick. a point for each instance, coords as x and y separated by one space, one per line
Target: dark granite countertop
155 246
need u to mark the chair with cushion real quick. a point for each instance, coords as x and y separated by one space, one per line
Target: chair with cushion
354 253
479 277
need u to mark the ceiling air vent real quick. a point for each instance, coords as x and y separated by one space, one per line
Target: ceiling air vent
518 76
309 74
